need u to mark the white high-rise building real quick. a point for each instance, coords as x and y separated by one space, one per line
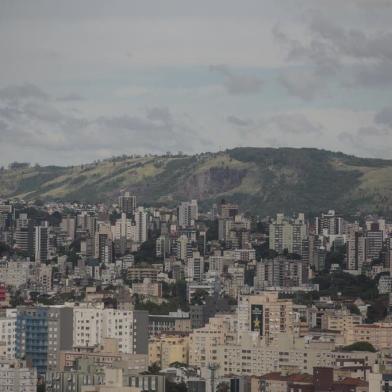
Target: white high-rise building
123 228
93 323
68 226
7 332
41 243
195 267
188 213
141 230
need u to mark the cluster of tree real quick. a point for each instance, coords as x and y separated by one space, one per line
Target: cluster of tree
146 252
175 298
360 346
349 286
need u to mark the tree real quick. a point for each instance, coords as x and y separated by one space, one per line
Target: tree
360 346
178 365
378 310
223 387
199 297
154 368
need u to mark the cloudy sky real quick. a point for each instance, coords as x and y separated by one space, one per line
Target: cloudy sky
84 80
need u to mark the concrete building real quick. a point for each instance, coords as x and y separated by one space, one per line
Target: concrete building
164 350
265 315
165 324
281 272
16 376
103 355
127 203
147 288
356 251
88 377
377 334
286 234
188 213
8 331
24 235
93 323
141 229
41 243
41 332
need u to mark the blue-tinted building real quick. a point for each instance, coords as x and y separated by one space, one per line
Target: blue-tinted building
41 333
32 336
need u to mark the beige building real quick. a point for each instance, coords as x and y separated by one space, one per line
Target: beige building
203 342
340 321
104 355
266 315
147 288
377 334
167 349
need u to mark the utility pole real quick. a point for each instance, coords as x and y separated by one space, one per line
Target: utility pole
212 367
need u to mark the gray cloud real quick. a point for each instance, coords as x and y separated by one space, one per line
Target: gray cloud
237 84
332 50
23 91
294 123
239 122
44 126
302 83
384 116
71 97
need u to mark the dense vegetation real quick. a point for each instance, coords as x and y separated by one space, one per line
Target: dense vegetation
262 180
360 346
347 285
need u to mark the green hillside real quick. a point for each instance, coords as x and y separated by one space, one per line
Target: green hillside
261 180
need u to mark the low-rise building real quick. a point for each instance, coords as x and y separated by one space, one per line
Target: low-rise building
167 349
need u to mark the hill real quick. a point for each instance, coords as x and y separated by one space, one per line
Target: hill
261 180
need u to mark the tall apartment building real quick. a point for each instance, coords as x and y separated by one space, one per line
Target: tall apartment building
374 244
127 203
68 226
265 315
103 243
204 342
141 230
41 243
281 272
162 246
356 251
188 213
91 324
183 247
195 268
389 256
227 210
286 234
41 332
24 235
123 228
329 224
313 252
87 223
8 331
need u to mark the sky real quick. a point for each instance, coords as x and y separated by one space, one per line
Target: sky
87 80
